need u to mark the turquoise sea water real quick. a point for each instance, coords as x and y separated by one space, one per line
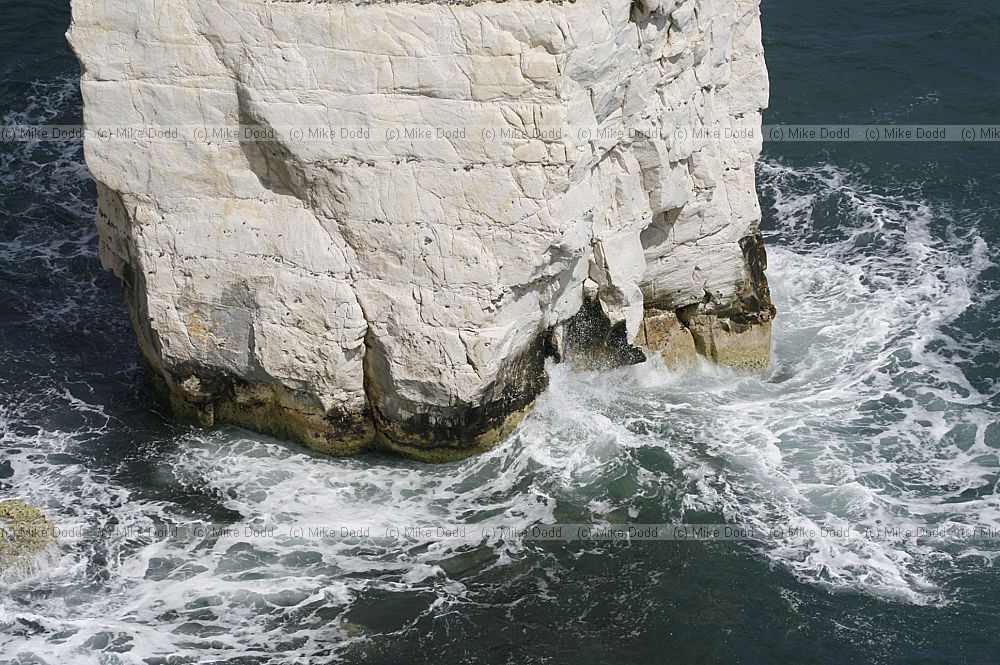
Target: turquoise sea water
879 413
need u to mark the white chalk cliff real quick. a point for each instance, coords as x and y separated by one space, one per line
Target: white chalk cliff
588 182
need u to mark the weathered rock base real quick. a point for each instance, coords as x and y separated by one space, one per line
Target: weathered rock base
433 435
275 411
678 338
662 332
721 340
445 432
727 342
587 341
25 533
735 332
458 450
266 408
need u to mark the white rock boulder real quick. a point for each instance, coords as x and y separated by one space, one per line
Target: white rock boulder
355 223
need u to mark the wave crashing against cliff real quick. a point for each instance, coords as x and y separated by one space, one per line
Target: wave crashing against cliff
405 291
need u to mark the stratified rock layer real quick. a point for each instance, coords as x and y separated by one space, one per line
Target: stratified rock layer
492 166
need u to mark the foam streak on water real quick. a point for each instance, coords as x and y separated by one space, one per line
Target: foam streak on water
865 419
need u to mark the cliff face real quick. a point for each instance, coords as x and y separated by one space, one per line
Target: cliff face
400 286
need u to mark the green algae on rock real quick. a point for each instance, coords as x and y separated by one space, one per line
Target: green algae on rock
24 533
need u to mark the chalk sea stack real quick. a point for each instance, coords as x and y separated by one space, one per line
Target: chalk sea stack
498 181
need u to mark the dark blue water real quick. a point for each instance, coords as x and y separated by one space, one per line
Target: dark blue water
880 410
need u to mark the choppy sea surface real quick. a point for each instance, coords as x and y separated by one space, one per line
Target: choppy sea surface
871 439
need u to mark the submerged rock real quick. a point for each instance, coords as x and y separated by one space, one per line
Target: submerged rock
367 224
25 533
